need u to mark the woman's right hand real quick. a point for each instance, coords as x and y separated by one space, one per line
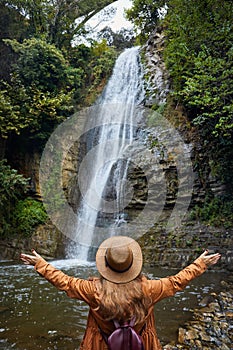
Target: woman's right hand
210 259
30 259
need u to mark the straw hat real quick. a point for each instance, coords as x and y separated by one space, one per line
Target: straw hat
119 259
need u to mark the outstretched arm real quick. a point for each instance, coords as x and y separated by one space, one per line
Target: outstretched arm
168 286
74 287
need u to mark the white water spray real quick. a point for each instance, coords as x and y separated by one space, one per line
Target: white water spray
103 172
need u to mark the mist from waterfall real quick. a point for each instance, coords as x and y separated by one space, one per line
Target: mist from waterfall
103 172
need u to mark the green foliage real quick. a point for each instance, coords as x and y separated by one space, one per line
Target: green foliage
209 92
215 211
100 67
221 161
198 54
38 114
121 39
78 56
12 25
12 188
42 65
17 215
12 184
10 120
199 59
40 94
44 86
56 21
37 111
39 64
99 48
97 63
145 16
28 214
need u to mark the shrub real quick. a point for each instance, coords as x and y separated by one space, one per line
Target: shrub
28 214
12 188
216 211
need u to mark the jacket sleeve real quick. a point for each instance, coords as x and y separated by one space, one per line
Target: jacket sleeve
168 286
74 287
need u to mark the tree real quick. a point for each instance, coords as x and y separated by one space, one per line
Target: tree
199 59
45 88
40 93
145 15
42 65
100 67
12 25
120 40
56 20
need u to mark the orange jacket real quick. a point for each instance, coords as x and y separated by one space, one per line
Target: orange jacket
86 290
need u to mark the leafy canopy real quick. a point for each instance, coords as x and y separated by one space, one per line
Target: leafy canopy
57 21
199 59
145 15
45 85
39 95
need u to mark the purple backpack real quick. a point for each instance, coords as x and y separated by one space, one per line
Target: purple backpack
124 337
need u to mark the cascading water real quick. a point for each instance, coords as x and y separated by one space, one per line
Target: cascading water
104 175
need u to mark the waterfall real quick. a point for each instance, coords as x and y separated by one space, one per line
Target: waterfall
103 172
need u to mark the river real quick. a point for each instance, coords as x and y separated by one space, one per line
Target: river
34 315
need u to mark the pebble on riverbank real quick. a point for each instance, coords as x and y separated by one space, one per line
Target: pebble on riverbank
212 324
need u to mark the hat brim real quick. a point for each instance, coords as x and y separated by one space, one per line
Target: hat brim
107 272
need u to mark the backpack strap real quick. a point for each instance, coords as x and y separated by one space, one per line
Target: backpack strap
104 335
132 322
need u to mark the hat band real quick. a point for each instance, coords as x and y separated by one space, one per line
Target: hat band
115 270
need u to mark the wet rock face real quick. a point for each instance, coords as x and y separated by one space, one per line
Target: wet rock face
179 247
47 240
156 75
185 242
157 88
212 325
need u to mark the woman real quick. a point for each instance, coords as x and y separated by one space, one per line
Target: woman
122 292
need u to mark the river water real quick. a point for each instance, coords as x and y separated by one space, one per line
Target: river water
34 315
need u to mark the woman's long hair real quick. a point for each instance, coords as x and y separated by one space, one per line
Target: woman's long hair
123 301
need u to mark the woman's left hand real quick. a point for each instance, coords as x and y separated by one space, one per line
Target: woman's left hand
210 259
30 259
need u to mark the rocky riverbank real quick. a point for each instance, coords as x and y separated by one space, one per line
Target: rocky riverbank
212 324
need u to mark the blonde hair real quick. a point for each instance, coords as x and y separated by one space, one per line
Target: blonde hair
123 301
